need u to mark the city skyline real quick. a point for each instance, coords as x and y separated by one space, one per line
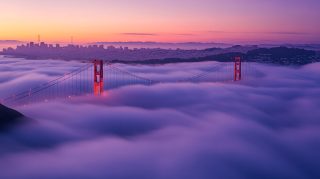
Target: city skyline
247 21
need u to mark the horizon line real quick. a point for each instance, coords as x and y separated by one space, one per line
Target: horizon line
167 42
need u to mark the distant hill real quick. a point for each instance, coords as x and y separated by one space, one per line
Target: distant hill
225 57
283 56
315 47
276 55
281 52
165 45
9 117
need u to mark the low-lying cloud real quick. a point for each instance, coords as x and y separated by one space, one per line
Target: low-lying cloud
138 34
264 127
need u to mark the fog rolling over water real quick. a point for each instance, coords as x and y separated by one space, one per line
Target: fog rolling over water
264 127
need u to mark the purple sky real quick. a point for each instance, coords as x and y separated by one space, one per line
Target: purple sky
166 20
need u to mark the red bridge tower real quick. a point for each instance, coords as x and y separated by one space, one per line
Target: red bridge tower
237 69
98 77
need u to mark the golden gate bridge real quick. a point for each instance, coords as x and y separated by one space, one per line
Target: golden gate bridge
98 77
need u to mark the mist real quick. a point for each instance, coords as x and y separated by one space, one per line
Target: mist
266 126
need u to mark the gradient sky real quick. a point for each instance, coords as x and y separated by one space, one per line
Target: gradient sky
293 21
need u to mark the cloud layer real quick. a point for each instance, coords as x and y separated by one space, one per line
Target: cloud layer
264 127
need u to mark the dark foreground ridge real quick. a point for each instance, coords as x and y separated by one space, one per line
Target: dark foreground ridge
9 117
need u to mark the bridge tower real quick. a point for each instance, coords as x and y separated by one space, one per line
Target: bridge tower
237 69
98 77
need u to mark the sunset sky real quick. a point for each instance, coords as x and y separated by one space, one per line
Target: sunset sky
241 21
